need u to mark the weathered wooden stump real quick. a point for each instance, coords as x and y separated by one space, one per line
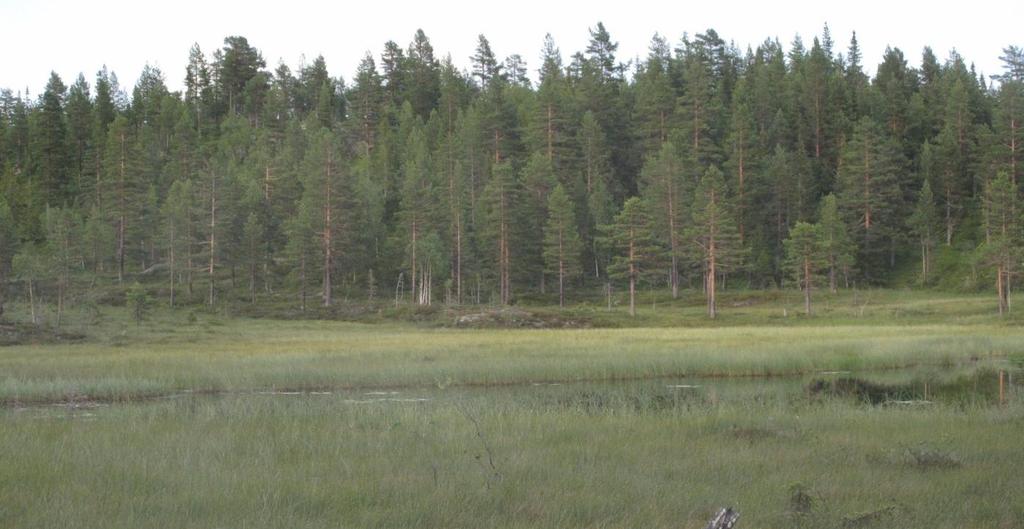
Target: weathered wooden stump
725 519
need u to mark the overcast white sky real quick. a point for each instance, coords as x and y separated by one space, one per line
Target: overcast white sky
78 36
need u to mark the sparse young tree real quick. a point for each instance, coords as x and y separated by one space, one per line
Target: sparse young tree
8 246
138 301
61 236
32 264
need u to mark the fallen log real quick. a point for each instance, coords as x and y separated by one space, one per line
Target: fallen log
725 519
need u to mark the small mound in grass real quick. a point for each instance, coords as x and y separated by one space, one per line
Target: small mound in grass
516 318
12 333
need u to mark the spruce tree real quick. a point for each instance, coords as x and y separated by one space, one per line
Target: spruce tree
836 245
50 145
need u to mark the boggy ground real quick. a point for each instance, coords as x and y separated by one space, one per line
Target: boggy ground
190 420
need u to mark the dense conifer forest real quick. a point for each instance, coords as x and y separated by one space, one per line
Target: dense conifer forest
700 166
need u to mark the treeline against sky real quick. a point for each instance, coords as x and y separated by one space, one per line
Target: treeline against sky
688 168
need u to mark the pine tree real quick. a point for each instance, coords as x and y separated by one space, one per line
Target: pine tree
663 186
713 232
418 208
595 200
553 120
236 64
538 179
804 257
303 247
424 75
700 110
61 238
120 191
1001 249
1008 127
631 241
562 244
924 222
177 215
743 156
254 246
448 160
98 239
502 200
868 191
324 192
367 98
655 97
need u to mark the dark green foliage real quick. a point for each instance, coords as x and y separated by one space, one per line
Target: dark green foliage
804 258
562 244
631 240
924 224
445 178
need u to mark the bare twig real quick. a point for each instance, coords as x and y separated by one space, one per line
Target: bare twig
491 469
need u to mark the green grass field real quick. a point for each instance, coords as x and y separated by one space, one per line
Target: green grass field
189 420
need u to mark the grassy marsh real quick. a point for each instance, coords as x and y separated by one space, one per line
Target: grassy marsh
187 421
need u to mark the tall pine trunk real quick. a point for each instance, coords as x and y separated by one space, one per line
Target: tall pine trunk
122 216
807 286
211 270
328 233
